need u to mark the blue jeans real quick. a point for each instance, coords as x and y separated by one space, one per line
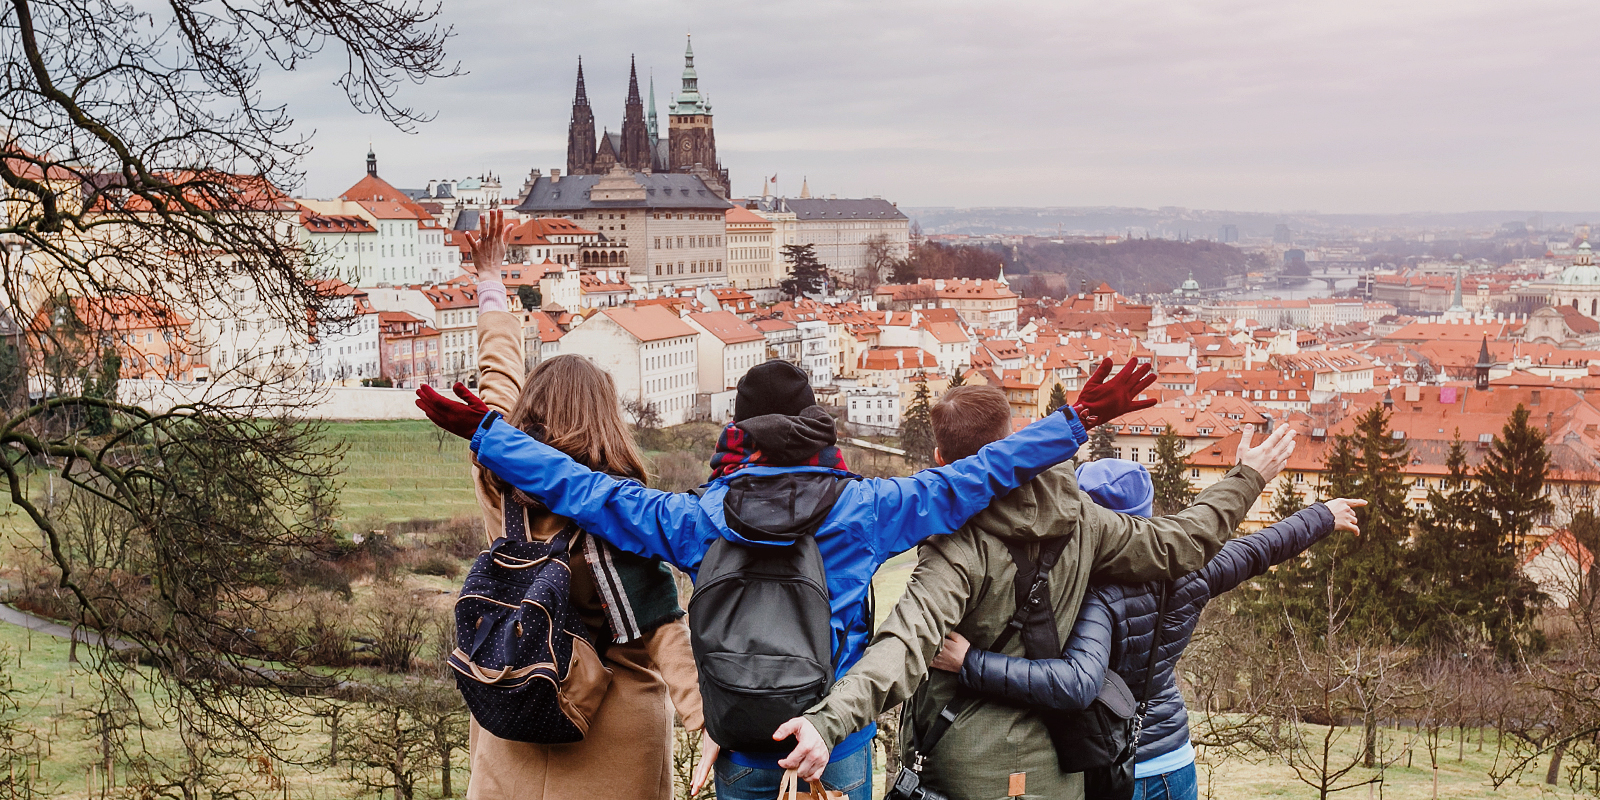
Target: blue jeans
851 775
1179 784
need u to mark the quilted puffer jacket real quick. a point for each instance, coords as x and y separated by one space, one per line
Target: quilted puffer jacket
1116 625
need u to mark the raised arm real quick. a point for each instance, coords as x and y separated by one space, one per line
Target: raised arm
936 501
941 500
649 522
1248 556
1068 683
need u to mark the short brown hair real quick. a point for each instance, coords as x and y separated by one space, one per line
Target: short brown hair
967 418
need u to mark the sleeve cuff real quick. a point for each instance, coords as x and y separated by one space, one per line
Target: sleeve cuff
483 428
1078 431
1250 475
491 296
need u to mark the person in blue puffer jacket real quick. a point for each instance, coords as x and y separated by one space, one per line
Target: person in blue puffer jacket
1116 625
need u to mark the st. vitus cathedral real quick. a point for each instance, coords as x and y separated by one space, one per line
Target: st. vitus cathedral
690 145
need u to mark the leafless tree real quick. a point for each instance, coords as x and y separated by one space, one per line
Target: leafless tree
144 169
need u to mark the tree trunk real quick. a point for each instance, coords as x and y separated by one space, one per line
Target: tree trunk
444 771
1554 774
1369 752
333 738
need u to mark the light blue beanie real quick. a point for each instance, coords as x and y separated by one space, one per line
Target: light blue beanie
1122 486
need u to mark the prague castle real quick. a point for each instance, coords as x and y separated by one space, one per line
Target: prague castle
690 145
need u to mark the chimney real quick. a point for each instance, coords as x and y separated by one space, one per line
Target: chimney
555 176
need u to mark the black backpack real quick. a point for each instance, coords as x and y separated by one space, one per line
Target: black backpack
760 619
524 661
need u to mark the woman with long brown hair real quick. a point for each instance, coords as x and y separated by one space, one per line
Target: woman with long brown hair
629 602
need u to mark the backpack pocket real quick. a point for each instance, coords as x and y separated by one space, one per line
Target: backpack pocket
746 697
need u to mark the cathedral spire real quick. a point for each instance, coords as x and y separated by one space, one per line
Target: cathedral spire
650 116
372 161
580 131
634 152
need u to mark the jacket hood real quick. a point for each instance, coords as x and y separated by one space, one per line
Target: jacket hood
786 440
1121 486
1034 508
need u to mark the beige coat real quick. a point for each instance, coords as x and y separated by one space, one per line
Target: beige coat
628 750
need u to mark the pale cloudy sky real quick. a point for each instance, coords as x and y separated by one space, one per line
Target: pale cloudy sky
1342 106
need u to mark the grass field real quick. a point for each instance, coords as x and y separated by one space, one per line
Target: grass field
402 470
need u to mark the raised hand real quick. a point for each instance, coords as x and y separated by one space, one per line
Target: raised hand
458 418
488 246
1344 513
1271 456
1102 401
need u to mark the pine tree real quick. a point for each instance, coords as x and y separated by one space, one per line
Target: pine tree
956 378
1058 398
1287 500
1364 574
1511 501
528 295
1101 443
1440 572
1173 491
806 273
916 427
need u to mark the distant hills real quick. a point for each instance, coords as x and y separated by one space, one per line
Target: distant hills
1171 222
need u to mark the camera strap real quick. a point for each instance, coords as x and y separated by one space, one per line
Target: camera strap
1037 595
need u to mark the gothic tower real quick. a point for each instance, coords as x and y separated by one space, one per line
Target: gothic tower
635 153
690 135
580 132
650 117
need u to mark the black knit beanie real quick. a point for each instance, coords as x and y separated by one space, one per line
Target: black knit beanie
776 387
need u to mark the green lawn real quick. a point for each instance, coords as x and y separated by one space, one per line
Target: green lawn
401 470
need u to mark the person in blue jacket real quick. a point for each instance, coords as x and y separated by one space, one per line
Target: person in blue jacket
779 430
1115 627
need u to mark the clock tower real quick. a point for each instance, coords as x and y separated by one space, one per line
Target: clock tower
691 140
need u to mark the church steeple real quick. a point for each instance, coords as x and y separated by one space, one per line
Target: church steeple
692 141
1485 362
372 162
650 116
635 153
580 131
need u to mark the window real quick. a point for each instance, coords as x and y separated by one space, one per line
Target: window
1133 454
1194 472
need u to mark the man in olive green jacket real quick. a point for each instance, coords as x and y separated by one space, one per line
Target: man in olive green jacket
964 583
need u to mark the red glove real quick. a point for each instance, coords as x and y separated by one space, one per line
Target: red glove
1102 401
460 419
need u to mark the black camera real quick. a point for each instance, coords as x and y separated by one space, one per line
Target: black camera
908 786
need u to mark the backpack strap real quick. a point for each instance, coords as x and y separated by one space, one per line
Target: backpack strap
1035 575
1150 666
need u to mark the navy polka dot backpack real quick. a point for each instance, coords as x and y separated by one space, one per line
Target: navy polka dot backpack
524 661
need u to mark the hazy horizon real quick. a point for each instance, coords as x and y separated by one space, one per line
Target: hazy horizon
1351 107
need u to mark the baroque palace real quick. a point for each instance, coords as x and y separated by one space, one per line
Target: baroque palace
690 145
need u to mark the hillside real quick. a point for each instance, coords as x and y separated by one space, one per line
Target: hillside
1132 266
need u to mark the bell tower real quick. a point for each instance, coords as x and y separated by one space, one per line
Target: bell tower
691 137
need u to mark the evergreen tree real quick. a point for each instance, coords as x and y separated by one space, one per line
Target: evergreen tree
1440 572
956 379
1511 501
1287 500
1365 575
806 273
1058 398
1173 491
916 427
528 295
102 385
1101 441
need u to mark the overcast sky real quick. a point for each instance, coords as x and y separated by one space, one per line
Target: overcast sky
1346 106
